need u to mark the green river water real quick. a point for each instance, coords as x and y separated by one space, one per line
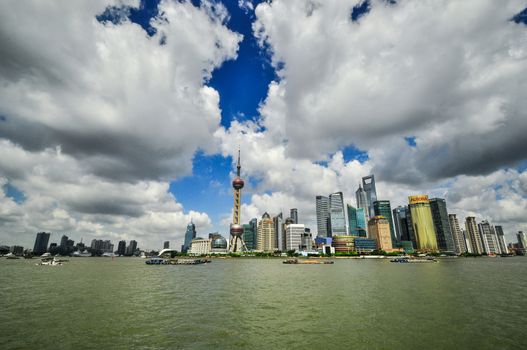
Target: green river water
100 303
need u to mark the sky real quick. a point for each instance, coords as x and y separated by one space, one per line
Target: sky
121 119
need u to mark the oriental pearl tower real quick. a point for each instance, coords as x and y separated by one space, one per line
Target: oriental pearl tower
237 244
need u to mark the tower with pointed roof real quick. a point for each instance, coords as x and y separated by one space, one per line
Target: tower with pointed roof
236 229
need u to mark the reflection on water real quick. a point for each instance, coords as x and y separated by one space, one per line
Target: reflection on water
95 303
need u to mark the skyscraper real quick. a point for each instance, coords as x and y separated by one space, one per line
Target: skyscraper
294 215
132 247
236 244
522 242
322 208
362 201
190 234
488 238
266 236
472 235
501 239
121 248
378 229
423 225
457 235
41 243
445 241
352 220
250 231
384 209
166 245
362 226
368 183
336 214
278 223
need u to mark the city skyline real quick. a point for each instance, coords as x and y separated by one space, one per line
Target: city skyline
114 125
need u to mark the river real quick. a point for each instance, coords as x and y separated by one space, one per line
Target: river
121 303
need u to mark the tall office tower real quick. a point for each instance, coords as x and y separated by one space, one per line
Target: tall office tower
336 214
401 224
121 248
250 231
362 201
384 209
166 244
266 236
322 207
459 239
293 234
362 226
352 220
132 247
237 244
445 241
190 234
294 215
368 183
64 241
522 241
41 243
488 238
423 224
278 223
379 229
501 239
472 235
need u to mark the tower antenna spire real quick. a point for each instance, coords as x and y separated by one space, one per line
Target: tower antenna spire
238 166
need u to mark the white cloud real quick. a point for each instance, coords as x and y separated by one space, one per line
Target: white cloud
98 117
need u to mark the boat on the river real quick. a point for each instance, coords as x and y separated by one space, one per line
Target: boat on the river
413 261
11 256
50 262
307 262
157 261
83 254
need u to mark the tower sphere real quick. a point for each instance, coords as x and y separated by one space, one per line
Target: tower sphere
236 230
238 183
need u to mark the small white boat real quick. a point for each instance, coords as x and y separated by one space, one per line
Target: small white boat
11 256
50 262
83 254
108 255
143 255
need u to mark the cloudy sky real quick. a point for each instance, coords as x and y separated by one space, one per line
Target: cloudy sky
119 119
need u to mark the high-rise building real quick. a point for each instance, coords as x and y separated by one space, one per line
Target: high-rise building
166 244
362 226
293 234
362 201
323 224
336 214
522 242
132 247
501 239
266 236
64 241
353 227
488 238
190 234
473 236
41 243
368 183
379 229
121 248
278 223
294 215
384 209
457 235
445 241
237 244
250 231
423 224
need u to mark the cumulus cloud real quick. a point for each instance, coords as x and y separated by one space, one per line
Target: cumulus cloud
98 116
447 73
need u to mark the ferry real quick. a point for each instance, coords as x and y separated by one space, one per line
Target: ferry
157 261
413 261
307 262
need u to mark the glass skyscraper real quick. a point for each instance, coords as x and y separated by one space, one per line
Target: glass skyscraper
383 208
190 234
249 234
336 214
352 220
445 240
322 208
362 202
368 183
